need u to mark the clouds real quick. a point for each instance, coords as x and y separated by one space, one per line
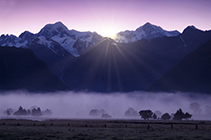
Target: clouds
78 105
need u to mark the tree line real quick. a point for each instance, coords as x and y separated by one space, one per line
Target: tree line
130 112
195 107
179 115
35 111
148 114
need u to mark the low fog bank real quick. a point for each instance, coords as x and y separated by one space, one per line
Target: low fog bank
78 105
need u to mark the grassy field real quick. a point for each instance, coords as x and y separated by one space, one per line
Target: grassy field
15 129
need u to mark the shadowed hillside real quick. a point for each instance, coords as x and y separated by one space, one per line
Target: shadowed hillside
20 69
192 74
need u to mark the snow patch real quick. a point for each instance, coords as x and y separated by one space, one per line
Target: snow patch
183 41
147 31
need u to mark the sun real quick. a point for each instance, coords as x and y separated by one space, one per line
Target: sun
108 31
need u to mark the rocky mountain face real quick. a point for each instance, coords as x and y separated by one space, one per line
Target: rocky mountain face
72 41
87 61
147 31
54 44
191 74
110 67
20 69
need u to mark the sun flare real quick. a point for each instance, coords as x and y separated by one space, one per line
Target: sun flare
107 31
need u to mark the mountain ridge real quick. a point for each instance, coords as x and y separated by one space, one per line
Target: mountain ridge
90 62
72 40
20 69
130 66
147 31
191 74
68 39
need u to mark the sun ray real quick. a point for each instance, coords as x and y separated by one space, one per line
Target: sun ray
117 74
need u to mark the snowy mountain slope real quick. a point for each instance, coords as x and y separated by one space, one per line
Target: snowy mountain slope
77 43
73 41
105 65
11 40
28 36
147 31
110 67
68 39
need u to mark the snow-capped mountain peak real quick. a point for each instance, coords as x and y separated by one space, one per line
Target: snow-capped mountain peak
70 40
27 36
56 29
146 26
76 42
193 27
147 31
12 41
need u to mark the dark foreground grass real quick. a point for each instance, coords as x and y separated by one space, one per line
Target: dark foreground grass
12 129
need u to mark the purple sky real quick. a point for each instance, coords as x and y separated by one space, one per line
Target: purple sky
103 16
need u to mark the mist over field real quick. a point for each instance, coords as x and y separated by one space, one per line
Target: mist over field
78 105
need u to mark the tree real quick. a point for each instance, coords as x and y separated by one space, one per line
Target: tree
96 112
154 116
47 112
187 116
179 115
195 107
28 112
20 112
8 112
145 114
106 116
131 113
166 116
36 112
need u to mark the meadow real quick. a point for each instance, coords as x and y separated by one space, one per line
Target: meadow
107 129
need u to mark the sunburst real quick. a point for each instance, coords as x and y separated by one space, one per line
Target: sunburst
108 31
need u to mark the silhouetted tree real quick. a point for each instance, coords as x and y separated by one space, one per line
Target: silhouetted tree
36 112
131 113
20 112
154 116
195 107
47 112
145 114
96 112
102 111
28 112
179 115
106 116
166 116
8 112
187 116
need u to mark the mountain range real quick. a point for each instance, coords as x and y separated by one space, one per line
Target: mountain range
191 74
148 58
20 69
147 31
